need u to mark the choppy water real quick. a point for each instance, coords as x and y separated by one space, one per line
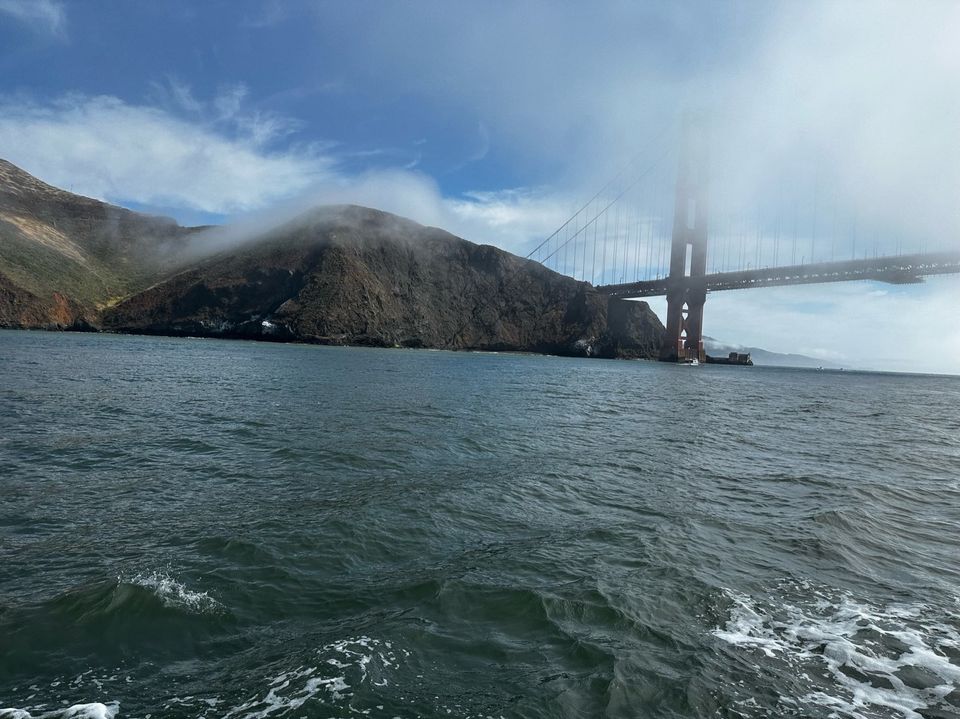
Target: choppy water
218 529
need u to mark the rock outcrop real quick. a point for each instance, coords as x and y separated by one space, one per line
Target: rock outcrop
351 275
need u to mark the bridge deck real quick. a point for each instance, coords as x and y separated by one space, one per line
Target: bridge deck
903 269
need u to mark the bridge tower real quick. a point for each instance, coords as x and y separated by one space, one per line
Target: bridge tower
686 286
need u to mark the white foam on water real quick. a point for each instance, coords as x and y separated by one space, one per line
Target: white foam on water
83 684
175 594
94 710
343 667
873 661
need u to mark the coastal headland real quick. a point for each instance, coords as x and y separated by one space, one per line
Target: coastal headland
333 275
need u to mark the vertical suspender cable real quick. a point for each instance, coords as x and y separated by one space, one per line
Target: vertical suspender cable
816 193
593 272
603 249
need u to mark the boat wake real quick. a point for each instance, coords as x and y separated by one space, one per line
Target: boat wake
95 710
827 650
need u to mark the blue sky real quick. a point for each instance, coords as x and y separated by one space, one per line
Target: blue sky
495 119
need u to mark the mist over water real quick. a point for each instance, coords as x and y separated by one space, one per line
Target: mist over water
197 528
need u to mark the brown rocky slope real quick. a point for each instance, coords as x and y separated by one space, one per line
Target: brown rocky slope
64 257
352 275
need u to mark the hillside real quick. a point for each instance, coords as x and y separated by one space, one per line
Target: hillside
342 275
352 275
64 257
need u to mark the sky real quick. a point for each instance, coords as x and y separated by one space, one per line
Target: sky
496 120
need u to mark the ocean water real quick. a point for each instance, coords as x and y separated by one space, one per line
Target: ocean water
199 528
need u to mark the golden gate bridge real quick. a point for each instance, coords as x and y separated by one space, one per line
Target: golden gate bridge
654 230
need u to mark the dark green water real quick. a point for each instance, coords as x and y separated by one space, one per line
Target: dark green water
217 529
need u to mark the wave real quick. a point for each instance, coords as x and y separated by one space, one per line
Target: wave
142 595
352 675
342 667
174 594
150 604
94 710
849 656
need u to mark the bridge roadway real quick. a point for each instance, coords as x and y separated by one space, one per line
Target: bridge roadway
898 270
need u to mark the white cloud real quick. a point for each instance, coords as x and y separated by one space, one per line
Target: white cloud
861 97
226 111
109 149
44 16
177 95
229 101
211 157
512 220
858 99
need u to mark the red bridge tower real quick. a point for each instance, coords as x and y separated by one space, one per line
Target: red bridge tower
686 286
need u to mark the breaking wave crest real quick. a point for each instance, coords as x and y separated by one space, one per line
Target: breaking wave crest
139 597
853 658
174 594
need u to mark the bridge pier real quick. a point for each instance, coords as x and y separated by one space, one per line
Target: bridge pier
683 339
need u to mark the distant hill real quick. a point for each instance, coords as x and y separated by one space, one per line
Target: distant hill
341 275
762 357
64 257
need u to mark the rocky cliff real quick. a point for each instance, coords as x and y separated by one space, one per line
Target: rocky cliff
336 275
352 275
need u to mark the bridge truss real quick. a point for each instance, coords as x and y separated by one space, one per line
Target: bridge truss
896 270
